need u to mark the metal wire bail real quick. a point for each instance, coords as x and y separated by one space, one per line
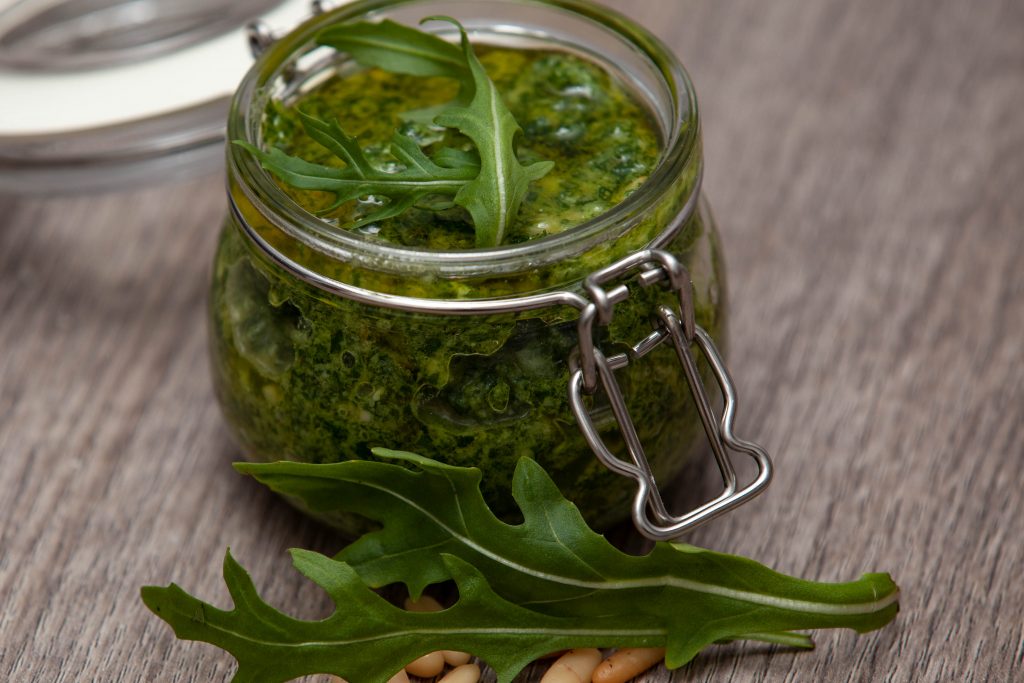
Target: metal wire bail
592 369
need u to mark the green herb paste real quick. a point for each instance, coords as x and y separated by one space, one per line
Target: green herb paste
603 142
305 376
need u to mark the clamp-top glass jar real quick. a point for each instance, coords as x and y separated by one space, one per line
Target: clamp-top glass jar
328 342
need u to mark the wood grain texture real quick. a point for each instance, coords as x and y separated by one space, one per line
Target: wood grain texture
865 161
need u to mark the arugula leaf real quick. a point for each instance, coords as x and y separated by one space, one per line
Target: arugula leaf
420 178
494 197
552 563
401 49
397 48
490 183
366 639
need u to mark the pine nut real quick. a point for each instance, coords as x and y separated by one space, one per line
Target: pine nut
454 657
427 666
467 673
400 677
627 663
424 604
575 666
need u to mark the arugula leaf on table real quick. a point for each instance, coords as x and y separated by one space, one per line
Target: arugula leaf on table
489 183
552 563
366 639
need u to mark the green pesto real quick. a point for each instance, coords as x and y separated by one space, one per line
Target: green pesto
302 375
602 141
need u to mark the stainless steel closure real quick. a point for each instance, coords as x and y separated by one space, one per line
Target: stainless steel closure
591 370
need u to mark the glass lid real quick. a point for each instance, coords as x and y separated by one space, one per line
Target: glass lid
104 94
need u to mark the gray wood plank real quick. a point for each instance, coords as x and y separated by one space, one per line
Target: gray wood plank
864 160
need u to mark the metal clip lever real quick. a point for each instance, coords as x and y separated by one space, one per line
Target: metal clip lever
650 515
260 35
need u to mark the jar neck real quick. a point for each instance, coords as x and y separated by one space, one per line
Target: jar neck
300 242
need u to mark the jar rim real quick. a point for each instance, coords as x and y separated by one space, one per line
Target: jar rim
681 144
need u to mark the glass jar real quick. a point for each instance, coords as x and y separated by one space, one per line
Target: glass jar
326 343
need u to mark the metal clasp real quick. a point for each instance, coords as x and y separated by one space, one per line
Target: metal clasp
592 369
260 35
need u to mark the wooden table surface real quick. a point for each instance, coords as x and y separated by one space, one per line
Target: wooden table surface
866 163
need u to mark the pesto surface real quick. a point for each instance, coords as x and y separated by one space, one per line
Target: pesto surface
572 112
302 375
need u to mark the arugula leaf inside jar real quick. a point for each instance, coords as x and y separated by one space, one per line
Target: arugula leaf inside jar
425 125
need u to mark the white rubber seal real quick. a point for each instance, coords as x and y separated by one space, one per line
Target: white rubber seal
49 103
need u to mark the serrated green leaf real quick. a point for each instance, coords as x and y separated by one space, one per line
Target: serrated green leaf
449 157
366 639
494 196
490 184
420 177
397 48
554 564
